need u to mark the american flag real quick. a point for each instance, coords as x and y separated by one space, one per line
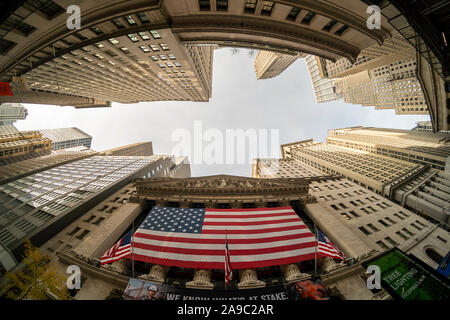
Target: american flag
227 267
195 238
326 248
122 249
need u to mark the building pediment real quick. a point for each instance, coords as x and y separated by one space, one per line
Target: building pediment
221 187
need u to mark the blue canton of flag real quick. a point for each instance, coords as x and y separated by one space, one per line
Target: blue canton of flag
184 220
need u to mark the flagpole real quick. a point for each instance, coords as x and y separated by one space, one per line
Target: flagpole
315 252
132 250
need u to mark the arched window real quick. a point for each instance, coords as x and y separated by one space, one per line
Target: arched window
436 257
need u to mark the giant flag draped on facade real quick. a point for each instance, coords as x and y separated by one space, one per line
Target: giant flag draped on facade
195 238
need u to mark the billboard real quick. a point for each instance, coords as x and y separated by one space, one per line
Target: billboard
406 277
303 290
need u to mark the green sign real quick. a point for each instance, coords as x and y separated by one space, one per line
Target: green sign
410 280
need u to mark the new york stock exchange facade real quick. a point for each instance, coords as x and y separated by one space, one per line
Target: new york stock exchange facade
322 278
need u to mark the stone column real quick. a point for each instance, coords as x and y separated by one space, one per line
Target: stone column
291 273
118 266
327 264
157 274
249 279
201 280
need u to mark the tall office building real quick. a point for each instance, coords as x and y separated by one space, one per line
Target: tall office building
135 149
324 88
11 112
404 166
392 86
270 64
65 138
18 146
38 206
17 170
426 148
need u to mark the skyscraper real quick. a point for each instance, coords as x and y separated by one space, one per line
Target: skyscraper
11 112
38 206
18 146
135 149
64 138
271 64
402 165
324 88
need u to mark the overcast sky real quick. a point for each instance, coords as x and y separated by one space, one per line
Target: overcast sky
239 101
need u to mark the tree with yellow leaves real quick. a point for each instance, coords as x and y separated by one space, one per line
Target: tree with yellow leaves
38 280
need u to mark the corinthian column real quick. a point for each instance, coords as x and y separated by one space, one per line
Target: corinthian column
157 274
327 264
291 273
118 266
249 279
201 280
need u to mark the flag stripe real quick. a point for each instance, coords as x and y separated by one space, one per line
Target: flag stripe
219 264
254 229
178 240
219 251
247 223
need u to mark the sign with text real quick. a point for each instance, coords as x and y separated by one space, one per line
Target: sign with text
406 278
303 290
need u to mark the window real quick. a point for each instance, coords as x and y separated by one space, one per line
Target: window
155 34
143 17
83 234
383 223
309 16
130 20
401 235
164 46
74 231
144 49
365 231
118 23
49 8
98 221
388 239
133 37
97 30
113 41
204 5
329 25
250 6
293 14
5 46
408 232
433 255
89 219
154 47
171 56
144 35
125 50
371 226
267 7
382 245
341 30
222 5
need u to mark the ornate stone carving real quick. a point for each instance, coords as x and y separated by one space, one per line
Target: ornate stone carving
118 266
327 264
201 280
249 279
157 274
291 273
223 189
